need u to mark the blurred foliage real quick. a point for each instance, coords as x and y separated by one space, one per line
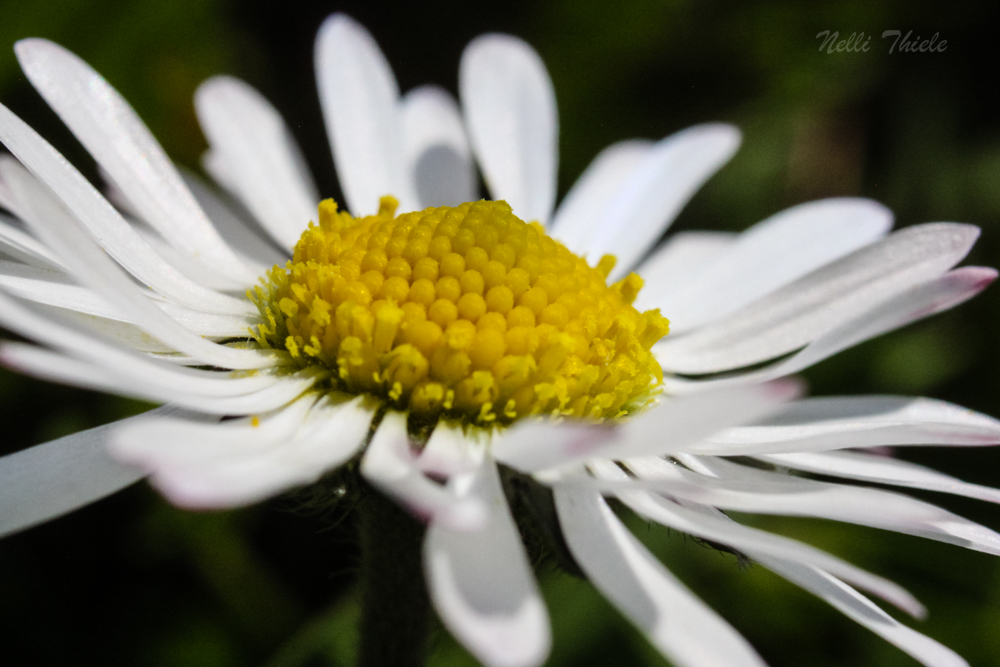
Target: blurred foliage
131 580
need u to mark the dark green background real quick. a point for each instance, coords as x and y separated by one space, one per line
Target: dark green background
132 581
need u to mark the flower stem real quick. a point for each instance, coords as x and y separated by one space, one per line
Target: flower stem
394 604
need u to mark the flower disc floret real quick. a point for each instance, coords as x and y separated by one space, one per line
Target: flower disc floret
466 312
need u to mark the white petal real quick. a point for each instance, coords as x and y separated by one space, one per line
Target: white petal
23 247
389 464
120 332
174 359
929 298
883 470
92 267
683 255
510 111
209 324
55 367
265 166
6 199
449 452
271 397
768 256
677 623
796 314
858 608
710 524
50 288
360 101
49 480
242 235
685 419
117 333
164 442
117 196
654 193
694 463
216 166
581 211
532 446
190 267
330 434
482 585
126 363
923 300
836 422
115 135
745 489
436 149
106 225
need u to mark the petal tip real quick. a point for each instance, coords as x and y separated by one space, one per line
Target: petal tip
491 48
28 48
787 388
977 278
340 24
726 134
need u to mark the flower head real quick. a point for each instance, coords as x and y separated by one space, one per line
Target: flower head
465 312
436 335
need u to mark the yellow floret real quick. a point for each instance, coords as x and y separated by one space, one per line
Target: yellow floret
465 312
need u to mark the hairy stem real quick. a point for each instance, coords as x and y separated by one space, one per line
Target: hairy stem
394 604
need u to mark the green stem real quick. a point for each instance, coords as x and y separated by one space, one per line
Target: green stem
394 604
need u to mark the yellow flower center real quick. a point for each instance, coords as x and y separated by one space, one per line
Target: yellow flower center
465 312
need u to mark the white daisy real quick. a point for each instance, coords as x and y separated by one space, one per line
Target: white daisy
439 343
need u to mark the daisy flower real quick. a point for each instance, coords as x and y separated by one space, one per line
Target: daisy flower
443 346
